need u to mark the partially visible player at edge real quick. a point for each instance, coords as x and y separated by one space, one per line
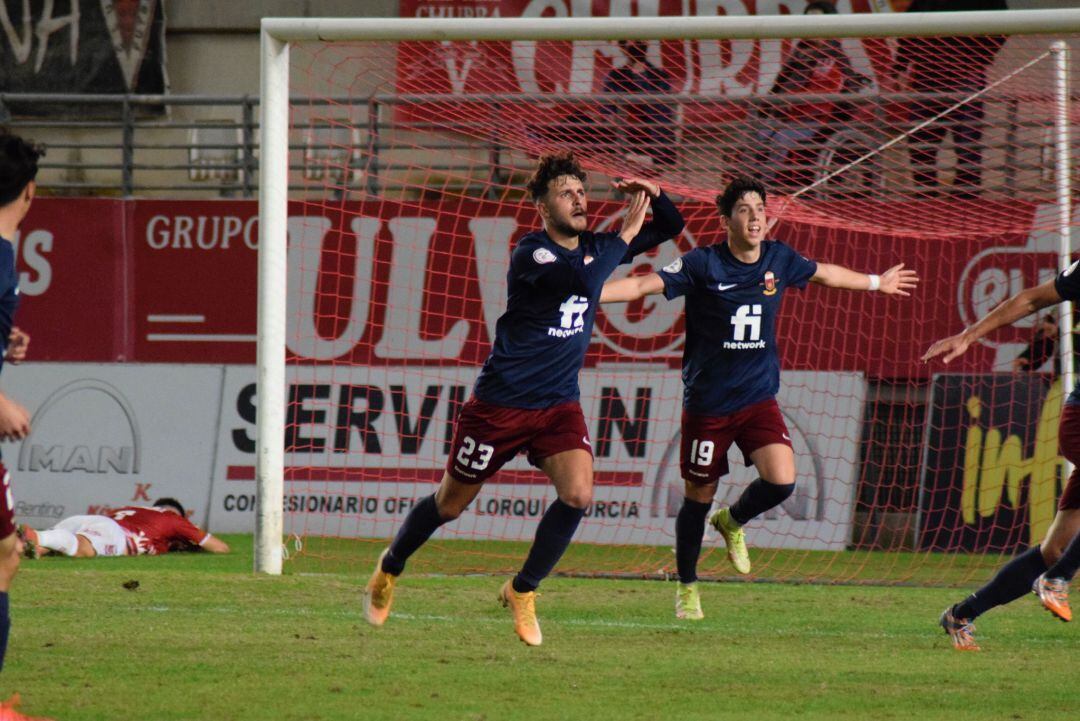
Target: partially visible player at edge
526 397
1046 568
731 370
18 170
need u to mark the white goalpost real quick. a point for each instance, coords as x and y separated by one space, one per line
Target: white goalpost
279 35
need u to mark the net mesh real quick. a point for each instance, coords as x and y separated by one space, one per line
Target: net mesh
408 163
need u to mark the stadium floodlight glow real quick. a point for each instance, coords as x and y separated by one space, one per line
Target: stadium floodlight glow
418 180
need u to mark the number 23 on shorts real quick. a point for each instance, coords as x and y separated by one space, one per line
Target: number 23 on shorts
474 455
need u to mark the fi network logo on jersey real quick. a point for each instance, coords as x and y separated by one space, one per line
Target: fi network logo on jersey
747 329
572 320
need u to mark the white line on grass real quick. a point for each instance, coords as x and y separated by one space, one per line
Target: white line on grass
581 622
473 620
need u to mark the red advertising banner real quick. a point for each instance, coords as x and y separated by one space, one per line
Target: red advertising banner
714 68
423 283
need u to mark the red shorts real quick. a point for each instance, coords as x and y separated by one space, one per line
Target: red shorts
1069 444
7 504
488 436
706 439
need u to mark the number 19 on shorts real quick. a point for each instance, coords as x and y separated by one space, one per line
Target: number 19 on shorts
701 452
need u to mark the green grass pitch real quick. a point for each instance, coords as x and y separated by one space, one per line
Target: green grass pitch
203 638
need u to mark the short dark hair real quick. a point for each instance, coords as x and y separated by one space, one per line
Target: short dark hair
735 190
171 503
1049 318
551 166
18 165
826 7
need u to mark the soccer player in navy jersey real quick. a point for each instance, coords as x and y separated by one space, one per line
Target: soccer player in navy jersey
731 369
526 397
18 169
1047 568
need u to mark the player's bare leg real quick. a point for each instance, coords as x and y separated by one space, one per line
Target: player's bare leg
449 502
689 528
1052 587
572 474
775 464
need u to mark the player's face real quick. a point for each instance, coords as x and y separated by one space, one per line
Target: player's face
746 226
564 207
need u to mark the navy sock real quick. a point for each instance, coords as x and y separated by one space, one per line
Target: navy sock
759 497
5 626
422 521
689 528
1069 562
552 538
1010 583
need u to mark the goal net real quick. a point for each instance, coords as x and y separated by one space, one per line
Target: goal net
407 161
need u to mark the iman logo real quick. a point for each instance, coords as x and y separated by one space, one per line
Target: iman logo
87 426
770 283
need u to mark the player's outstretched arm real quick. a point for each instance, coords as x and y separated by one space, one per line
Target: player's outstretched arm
214 545
1023 303
632 288
894 281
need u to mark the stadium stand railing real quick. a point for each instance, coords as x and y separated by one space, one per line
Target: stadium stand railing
198 145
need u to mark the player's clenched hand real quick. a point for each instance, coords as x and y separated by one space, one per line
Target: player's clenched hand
14 420
951 347
18 342
635 216
897 281
633 185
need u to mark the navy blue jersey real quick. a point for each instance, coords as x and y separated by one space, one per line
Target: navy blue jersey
1067 284
731 360
9 294
552 294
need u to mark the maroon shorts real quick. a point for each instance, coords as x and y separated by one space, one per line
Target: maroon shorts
706 439
487 436
1069 444
7 504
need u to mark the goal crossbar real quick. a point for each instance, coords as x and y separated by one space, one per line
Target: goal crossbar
749 27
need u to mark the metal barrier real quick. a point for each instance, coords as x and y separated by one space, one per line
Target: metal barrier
208 145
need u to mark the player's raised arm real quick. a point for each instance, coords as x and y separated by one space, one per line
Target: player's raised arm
894 281
1023 303
667 222
632 288
635 216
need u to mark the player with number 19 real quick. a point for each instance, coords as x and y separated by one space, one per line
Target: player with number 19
526 397
731 370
